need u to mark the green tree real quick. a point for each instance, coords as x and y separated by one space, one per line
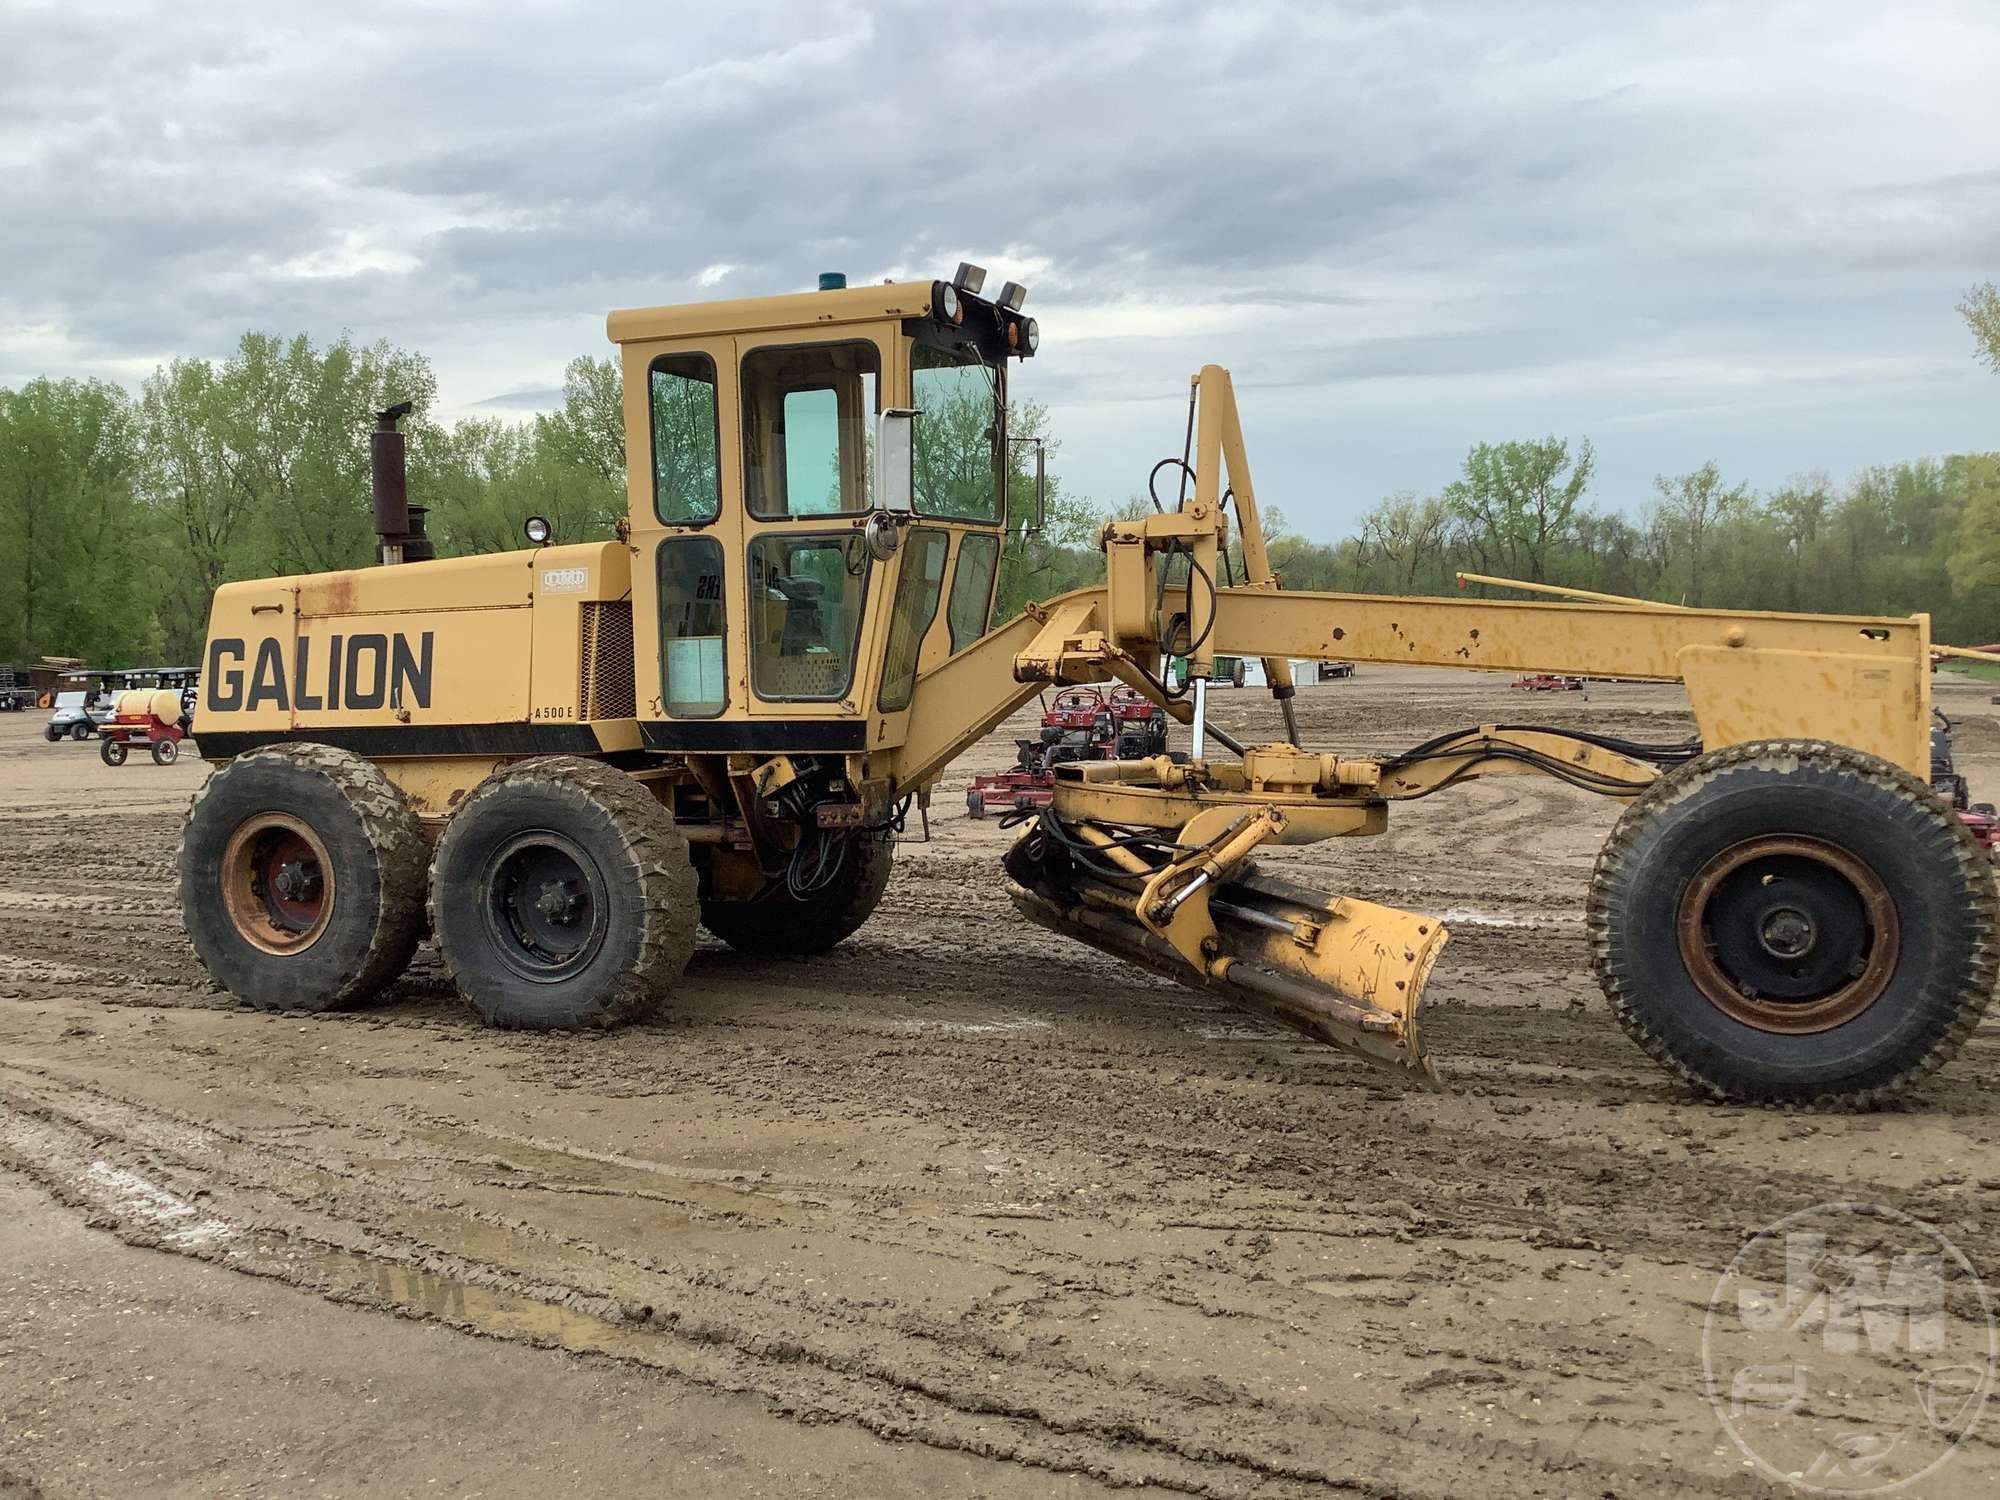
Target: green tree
1518 501
80 584
1692 507
1981 311
588 431
482 478
1405 532
1975 554
259 465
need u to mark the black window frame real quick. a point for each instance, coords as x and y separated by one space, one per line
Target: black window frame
743 409
1002 468
909 553
653 432
722 603
752 623
965 540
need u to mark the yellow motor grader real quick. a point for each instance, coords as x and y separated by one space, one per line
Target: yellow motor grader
579 754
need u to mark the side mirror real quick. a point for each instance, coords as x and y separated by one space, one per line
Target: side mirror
1034 528
1041 487
895 459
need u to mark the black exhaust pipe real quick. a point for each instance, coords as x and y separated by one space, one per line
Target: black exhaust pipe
399 525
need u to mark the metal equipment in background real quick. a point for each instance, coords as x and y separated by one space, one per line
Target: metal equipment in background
1082 724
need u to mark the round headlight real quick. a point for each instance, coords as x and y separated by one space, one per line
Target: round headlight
1031 335
948 307
538 530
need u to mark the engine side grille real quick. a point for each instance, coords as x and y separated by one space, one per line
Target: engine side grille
604 686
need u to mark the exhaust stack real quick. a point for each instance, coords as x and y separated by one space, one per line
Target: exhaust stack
399 525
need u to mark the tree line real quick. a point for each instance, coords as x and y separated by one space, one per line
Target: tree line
125 510
1922 534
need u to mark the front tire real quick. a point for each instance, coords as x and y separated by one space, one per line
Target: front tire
302 878
80 731
111 752
1795 922
562 897
779 923
165 752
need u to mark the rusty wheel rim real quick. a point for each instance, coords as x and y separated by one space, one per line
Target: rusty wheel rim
277 883
1789 934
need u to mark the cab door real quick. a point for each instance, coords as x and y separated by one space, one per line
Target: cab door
685 503
812 595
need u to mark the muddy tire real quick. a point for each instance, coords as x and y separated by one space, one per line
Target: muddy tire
562 897
302 878
777 923
1795 922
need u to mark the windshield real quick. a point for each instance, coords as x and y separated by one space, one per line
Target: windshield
958 437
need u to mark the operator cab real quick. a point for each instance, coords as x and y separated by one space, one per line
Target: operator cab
817 494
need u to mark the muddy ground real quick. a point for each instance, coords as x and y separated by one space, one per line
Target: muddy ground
961 1209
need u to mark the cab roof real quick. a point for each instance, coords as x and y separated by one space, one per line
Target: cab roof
855 304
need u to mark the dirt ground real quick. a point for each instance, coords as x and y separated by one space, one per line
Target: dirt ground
960 1210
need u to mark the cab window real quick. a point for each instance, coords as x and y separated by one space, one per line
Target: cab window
972 590
687 478
917 590
806 593
957 442
693 683
808 419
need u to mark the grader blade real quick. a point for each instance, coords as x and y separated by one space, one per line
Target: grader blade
1345 972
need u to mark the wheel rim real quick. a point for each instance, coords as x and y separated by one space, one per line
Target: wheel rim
545 905
277 883
1789 934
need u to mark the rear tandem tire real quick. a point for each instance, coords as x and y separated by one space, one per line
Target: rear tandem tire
302 878
776 923
1795 922
562 897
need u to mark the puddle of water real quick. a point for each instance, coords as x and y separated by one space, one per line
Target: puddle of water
433 1294
1460 917
536 1164
969 1028
180 1223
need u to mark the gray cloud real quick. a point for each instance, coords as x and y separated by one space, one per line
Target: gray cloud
1686 231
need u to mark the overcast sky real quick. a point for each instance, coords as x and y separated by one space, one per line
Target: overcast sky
1685 231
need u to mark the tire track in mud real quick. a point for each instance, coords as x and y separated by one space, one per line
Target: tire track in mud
282 1212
